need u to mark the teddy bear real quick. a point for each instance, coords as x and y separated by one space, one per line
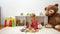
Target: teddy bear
53 16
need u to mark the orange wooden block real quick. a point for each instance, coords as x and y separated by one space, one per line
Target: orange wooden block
10 23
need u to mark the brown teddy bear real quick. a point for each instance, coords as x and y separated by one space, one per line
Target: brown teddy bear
53 16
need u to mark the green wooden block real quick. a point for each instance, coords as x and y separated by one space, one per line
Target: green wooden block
13 23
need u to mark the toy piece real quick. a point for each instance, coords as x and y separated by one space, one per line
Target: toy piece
41 13
29 30
28 14
22 30
25 30
21 14
29 25
33 30
10 22
5 23
17 22
13 23
39 26
37 30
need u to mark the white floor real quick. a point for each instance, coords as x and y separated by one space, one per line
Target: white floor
16 30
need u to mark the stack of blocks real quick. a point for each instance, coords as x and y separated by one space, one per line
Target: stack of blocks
10 21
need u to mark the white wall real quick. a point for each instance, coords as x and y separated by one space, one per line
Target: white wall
12 8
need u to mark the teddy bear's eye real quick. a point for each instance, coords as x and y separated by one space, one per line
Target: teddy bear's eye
51 11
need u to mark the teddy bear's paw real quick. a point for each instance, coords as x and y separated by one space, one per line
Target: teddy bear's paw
48 26
57 27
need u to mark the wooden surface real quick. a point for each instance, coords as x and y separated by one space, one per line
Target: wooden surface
1 26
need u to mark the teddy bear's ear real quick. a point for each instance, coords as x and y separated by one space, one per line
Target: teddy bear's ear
45 8
56 5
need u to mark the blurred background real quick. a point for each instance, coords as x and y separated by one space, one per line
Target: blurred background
12 8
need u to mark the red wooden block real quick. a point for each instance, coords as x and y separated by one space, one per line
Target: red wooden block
5 23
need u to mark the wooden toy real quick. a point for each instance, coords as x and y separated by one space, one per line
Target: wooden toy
25 30
21 14
10 23
13 22
22 30
5 23
17 22
29 30
33 30
28 14
37 30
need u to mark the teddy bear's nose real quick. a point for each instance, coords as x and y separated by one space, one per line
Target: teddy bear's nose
47 14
